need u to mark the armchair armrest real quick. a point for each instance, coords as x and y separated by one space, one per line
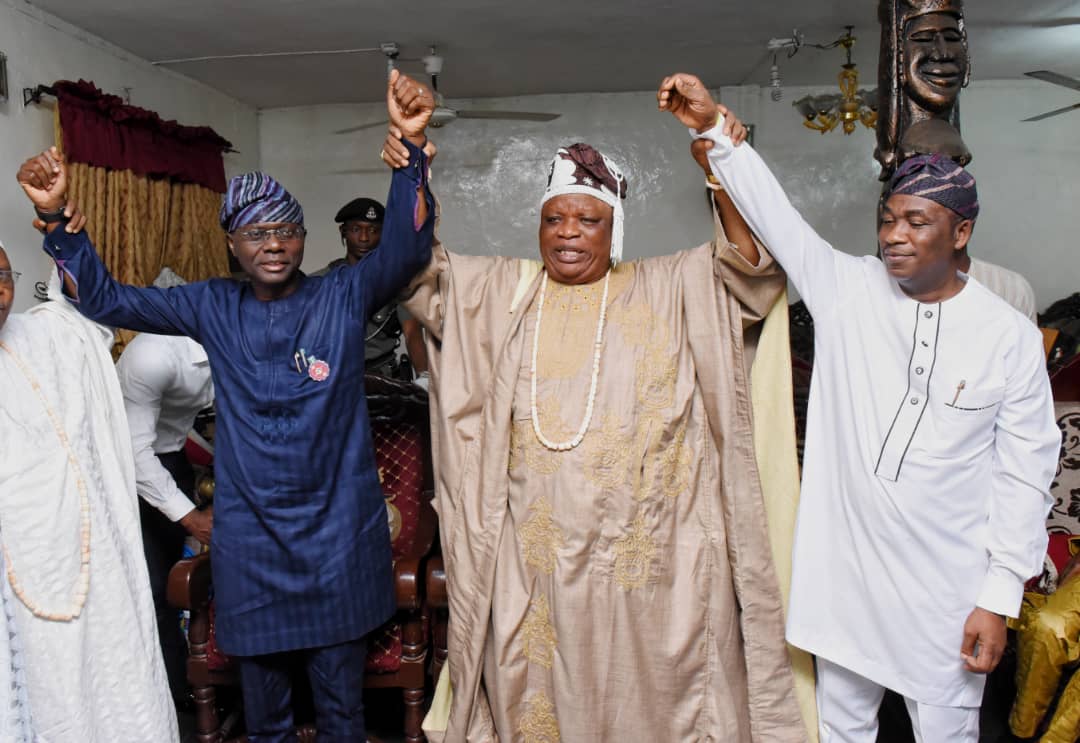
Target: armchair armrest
407 587
435 580
189 583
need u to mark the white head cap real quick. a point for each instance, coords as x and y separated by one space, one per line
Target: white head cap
580 168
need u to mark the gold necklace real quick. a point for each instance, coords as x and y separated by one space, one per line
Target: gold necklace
572 443
83 586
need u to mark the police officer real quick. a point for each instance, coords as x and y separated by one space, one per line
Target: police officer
360 224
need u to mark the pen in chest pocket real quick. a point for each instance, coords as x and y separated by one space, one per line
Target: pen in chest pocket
959 389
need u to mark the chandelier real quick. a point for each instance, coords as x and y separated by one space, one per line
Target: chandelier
823 113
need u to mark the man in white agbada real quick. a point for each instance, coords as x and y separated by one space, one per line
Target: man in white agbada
79 654
930 446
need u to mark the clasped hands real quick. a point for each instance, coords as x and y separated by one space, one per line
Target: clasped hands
684 95
44 180
410 105
689 101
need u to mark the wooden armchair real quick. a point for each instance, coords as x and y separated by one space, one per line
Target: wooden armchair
439 608
398 651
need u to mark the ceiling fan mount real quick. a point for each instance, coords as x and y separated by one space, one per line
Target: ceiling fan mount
443 114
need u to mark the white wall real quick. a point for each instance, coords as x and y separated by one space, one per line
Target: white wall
42 49
490 174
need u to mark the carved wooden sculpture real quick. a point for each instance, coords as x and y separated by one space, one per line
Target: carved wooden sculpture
923 66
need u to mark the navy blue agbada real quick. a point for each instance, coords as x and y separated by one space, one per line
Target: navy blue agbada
300 542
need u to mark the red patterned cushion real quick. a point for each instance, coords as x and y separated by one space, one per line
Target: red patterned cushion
215 659
1058 553
399 449
384 649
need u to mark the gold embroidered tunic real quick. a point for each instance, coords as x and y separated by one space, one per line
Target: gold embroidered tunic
622 590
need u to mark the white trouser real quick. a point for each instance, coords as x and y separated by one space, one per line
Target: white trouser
848 711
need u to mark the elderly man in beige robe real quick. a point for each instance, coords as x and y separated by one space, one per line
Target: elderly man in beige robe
610 575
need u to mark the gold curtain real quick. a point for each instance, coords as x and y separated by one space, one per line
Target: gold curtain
140 225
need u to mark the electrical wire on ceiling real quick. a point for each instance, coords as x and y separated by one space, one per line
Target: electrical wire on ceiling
259 55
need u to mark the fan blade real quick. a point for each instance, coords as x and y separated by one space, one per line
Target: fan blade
506 115
361 127
1057 112
1056 79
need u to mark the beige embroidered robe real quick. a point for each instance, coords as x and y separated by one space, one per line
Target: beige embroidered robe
623 590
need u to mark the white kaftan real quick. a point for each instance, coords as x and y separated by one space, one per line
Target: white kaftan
930 448
98 678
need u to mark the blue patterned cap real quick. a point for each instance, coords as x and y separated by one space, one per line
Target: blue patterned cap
254 198
939 179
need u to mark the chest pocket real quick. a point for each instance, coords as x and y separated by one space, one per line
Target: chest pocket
313 371
964 420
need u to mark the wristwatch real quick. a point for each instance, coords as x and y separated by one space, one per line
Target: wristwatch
52 217
712 184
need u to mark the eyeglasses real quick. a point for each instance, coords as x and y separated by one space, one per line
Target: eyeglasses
259 236
9 278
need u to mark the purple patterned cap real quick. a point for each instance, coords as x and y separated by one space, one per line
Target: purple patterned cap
254 198
939 179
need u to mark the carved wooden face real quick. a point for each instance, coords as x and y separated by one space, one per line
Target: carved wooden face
935 61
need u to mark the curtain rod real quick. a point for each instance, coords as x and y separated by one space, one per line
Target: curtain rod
34 95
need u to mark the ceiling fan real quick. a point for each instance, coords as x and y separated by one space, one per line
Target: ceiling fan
1056 79
443 114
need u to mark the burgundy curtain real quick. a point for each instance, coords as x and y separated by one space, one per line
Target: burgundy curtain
102 131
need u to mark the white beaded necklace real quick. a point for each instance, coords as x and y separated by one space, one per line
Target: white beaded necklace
572 443
83 585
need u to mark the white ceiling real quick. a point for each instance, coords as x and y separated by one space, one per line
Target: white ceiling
512 47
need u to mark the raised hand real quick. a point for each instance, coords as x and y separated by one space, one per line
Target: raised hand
687 98
733 127
410 105
396 155
44 180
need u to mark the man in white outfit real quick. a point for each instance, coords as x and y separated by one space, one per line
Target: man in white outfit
165 380
81 662
930 446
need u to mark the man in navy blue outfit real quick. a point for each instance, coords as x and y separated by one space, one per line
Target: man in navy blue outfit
302 565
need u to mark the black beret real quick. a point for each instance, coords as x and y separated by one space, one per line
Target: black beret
364 210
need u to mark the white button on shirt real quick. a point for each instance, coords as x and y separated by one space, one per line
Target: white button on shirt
166 382
930 448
